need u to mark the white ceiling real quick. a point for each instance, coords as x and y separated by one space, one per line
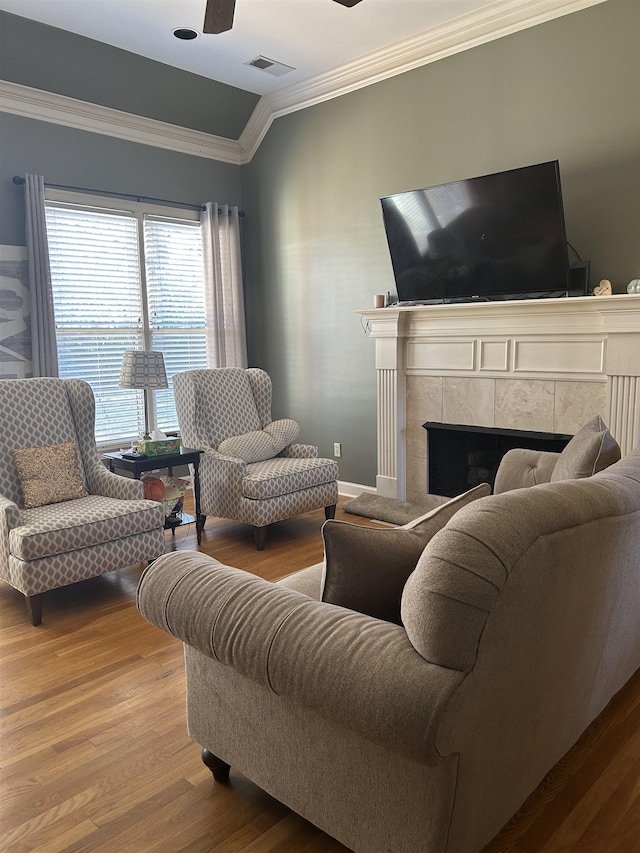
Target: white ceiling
313 36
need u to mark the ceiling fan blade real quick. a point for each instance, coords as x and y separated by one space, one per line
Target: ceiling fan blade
218 16
348 3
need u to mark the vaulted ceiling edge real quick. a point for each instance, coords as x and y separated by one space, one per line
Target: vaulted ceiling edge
490 23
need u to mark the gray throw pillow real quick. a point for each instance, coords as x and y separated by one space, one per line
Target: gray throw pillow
366 568
591 449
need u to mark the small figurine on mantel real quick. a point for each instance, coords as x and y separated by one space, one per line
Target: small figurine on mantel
634 286
603 289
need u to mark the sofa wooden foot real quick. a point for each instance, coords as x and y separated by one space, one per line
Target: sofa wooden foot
218 767
260 536
330 511
34 608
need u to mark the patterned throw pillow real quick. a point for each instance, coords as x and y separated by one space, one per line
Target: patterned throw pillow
366 568
591 449
261 444
49 475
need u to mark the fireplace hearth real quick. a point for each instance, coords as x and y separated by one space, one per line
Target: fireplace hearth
460 456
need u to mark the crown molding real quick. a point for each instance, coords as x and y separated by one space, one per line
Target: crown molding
492 22
82 115
489 23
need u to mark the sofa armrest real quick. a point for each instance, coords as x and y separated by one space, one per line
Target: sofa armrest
521 468
354 670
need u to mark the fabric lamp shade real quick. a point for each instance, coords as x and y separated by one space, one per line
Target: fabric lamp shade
144 369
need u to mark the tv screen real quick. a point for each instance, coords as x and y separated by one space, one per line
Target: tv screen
497 236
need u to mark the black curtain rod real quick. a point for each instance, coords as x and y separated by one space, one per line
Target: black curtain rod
19 181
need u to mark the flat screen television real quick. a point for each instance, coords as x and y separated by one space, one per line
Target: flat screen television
499 236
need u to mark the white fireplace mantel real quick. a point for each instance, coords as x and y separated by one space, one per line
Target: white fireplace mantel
540 364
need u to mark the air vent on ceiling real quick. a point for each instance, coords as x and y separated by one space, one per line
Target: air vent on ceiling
270 66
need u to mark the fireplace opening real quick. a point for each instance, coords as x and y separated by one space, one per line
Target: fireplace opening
460 457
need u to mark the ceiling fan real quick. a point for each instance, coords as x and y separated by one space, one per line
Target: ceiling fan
218 16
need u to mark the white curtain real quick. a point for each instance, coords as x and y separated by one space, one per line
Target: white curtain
224 300
43 327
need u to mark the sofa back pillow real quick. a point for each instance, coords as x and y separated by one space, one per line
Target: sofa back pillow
591 449
366 568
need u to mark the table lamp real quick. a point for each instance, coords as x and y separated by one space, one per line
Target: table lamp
143 369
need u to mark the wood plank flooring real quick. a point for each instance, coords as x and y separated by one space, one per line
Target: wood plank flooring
94 754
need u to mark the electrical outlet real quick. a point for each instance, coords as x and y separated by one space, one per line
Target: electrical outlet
337 449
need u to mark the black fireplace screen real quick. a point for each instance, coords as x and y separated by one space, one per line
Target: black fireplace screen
460 457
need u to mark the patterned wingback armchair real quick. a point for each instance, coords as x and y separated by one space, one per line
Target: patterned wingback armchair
251 470
99 521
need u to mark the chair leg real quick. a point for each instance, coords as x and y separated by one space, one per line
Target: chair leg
260 536
218 767
34 608
200 522
330 511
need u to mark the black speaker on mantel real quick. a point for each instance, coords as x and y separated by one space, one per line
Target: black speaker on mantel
579 279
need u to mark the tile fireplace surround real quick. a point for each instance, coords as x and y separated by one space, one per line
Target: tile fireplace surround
541 364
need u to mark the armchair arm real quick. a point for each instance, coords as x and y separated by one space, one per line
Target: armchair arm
300 451
99 480
9 513
110 485
521 468
221 484
358 671
9 518
215 458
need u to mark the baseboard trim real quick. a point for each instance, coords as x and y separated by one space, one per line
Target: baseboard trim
352 490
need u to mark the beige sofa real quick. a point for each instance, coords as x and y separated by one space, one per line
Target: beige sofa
519 623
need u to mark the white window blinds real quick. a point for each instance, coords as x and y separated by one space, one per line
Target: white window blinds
125 280
175 292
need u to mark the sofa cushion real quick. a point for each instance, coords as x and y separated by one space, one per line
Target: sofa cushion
307 581
366 568
262 444
49 475
591 449
521 468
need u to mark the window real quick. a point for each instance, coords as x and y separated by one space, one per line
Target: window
124 279
175 294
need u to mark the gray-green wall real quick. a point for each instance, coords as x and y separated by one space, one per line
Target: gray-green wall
316 249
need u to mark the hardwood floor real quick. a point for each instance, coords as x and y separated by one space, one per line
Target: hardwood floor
95 756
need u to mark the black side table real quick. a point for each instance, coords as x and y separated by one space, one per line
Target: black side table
136 467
